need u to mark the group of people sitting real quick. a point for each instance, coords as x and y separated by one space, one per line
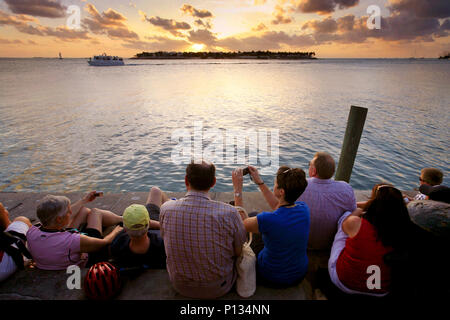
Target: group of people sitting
198 239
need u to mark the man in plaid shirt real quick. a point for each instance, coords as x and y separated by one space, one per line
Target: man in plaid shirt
202 237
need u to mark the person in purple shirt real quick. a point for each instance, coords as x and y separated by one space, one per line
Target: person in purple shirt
327 200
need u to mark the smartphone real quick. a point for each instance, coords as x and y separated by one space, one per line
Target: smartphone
98 193
245 171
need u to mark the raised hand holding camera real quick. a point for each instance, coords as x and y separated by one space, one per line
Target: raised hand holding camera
254 174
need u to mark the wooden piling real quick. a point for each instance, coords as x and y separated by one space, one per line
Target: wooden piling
355 126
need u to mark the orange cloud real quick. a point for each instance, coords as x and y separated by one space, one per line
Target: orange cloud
188 9
109 22
260 27
169 25
280 16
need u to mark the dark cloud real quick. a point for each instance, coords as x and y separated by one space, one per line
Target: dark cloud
38 8
444 30
201 23
323 6
396 27
346 23
404 26
65 34
188 9
202 36
21 23
122 33
422 8
269 40
169 24
98 22
445 25
109 22
328 25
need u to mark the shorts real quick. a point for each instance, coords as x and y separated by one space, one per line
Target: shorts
7 265
153 211
100 255
94 233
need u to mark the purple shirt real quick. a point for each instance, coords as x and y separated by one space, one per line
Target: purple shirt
327 200
54 250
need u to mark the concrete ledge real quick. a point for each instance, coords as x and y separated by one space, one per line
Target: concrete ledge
24 204
35 284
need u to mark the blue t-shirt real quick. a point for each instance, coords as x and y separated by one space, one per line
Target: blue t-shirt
285 234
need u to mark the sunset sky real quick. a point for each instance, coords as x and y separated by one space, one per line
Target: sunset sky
331 28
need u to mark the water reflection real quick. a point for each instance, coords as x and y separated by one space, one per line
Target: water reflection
68 127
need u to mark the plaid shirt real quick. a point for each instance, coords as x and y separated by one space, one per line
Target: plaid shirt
201 237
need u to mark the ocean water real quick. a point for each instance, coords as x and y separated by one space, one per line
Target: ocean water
66 126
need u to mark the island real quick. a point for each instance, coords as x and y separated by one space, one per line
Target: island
226 55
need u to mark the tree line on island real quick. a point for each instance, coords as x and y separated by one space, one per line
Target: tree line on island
225 55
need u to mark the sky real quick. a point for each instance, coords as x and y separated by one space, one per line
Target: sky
330 28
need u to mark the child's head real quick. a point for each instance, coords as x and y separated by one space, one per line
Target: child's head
431 176
136 220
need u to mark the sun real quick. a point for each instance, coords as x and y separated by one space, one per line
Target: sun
197 46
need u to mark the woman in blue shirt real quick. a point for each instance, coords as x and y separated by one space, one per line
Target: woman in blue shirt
283 260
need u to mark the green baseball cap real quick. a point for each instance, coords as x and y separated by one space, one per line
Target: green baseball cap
135 217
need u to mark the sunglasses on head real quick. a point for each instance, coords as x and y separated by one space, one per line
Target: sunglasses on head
384 186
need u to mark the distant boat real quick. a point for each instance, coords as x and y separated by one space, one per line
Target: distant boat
60 56
104 60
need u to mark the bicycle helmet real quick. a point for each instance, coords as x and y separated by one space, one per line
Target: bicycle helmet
102 281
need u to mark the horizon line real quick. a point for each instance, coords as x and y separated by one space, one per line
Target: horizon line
87 57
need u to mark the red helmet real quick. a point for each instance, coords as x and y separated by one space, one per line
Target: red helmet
102 281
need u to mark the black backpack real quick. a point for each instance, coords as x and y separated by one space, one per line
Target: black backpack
7 239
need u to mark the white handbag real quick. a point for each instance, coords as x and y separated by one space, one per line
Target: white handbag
246 268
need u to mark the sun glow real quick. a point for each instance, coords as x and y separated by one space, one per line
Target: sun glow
197 47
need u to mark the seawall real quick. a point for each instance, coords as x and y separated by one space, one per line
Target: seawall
35 284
